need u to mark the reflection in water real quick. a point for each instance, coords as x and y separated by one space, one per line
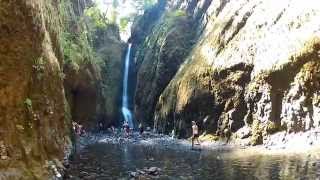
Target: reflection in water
106 161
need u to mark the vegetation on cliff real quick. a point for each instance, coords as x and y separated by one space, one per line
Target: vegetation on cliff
93 54
241 79
35 126
49 49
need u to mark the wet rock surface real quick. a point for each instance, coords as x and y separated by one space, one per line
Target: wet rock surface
152 172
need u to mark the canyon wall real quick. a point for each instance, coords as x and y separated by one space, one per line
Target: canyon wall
93 79
34 122
56 67
252 69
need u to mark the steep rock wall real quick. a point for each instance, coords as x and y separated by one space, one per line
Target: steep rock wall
253 72
93 88
112 52
93 68
160 53
34 123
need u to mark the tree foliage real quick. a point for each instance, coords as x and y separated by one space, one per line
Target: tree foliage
98 17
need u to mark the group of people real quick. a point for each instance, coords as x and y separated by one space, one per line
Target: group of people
195 132
128 130
78 129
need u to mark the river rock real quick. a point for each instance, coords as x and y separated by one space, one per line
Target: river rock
244 132
153 170
133 174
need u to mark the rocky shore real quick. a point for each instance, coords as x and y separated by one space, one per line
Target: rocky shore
278 143
287 146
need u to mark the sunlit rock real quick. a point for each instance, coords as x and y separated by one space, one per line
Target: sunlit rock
255 65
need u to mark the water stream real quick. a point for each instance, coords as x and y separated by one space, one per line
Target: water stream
125 105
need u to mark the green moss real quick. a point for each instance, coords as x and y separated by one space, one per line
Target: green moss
74 41
272 127
177 13
98 18
81 34
172 22
256 137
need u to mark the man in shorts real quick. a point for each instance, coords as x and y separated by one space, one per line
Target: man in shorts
195 133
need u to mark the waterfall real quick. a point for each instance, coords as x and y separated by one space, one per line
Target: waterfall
125 105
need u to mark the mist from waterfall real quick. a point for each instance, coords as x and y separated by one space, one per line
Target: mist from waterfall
125 105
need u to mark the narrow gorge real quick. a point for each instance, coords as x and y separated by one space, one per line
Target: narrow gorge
242 75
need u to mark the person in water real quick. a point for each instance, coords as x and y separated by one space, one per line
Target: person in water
100 127
195 133
126 128
141 129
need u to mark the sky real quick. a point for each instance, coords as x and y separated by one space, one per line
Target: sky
125 9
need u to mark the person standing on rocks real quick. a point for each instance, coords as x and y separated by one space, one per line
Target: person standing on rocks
141 129
113 130
100 127
126 128
195 133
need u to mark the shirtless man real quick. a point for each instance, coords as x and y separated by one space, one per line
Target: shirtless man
195 133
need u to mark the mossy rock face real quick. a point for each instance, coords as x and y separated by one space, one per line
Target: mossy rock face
94 87
46 53
161 58
208 138
112 54
233 80
34 123
272 127
93 63
160 53
256 138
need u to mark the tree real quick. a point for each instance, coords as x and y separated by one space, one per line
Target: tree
99 18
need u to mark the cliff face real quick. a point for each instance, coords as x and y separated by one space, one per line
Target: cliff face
34 130
253 71
45 50
172 33
93 63
93 85
112 53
